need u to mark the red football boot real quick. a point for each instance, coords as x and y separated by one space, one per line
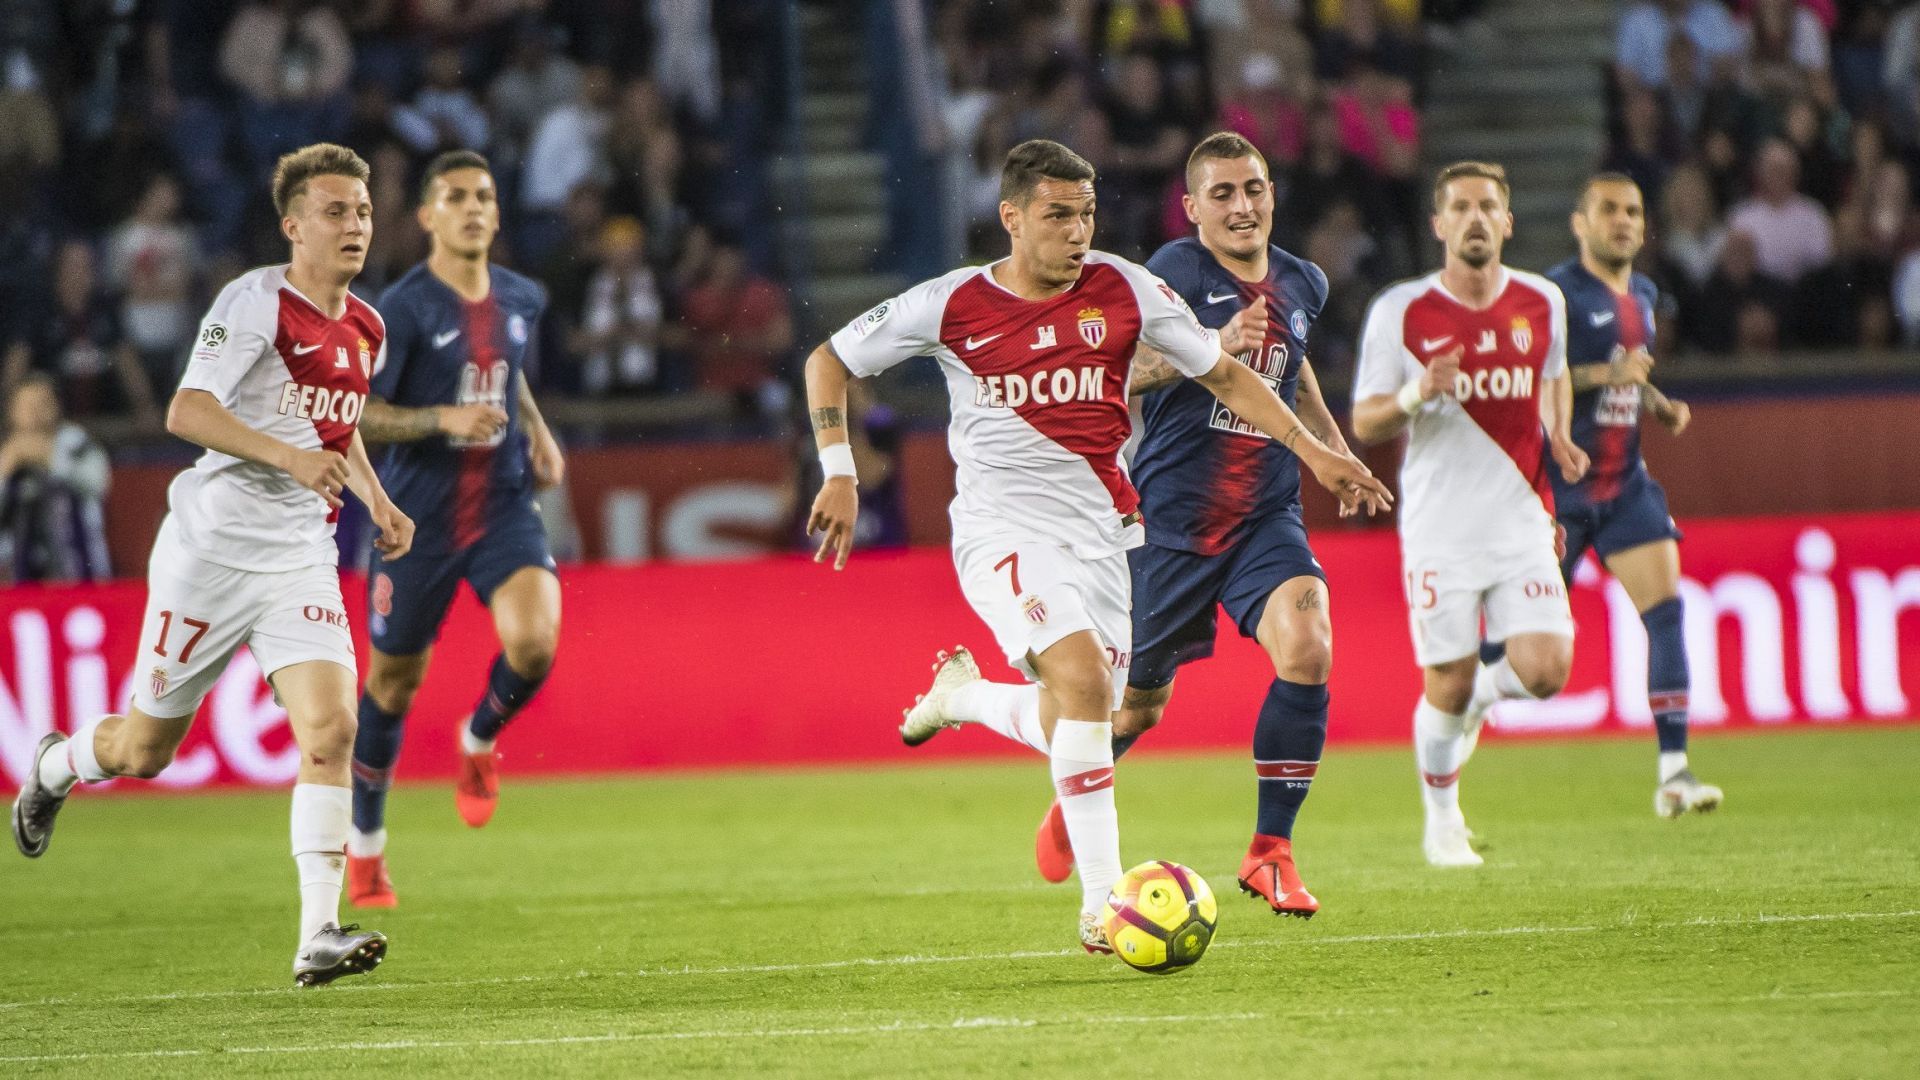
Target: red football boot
367 882
1268 873
477 791
1052 851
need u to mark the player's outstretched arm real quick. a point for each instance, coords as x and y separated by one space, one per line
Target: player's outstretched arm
1556 413
1311 406
396 528
1250 398
1626 369
1151 371
198 417
1672 413
385 422
837 506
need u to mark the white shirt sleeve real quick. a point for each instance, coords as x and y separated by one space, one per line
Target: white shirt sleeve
237 331
898 329
1167 324
1384 365
1555 364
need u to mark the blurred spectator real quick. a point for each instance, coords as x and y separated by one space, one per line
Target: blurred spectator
1737 287
1791 233
1906 299
1640 49
1327 175
1786 52
53 477
1900 75
1822 174
647 156
444 115
77 340
685 61
151 260
568 149
1644 149
1340 246
739 329
1691 234
291 60
1378 123
1268 106
1358 35
536 80
1148 147
619 335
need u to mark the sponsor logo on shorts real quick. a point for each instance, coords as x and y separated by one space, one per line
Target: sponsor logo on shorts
328 616
1035 608
1537 589
157 682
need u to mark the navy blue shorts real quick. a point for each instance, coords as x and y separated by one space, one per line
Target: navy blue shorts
408 599
1175 592
1638 515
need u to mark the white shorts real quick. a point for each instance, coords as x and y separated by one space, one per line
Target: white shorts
1449 597
200 613
1031 594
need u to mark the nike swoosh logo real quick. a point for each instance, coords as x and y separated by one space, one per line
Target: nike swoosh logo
1430 344
1296 770
302 350
1091 782
1602 318
974 343
440 340
1216 298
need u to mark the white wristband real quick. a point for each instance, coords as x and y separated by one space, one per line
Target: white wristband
836 459
1411 398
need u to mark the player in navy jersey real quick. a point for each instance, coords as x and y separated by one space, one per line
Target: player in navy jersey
1618 510
470 448
1222 508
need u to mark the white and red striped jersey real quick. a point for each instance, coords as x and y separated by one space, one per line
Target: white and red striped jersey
1475 476
279 364
1038 392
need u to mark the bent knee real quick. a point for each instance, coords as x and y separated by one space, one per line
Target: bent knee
1307 660
1546 680
530 656
330 733
146 761
394 690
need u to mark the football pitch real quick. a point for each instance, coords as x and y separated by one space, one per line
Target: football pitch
888 922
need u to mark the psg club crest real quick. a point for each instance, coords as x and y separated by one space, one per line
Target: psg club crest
366 358
158 682
1035 607
1297 322
1093 330
1522 334
517 329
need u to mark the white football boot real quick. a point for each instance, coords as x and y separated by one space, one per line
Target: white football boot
1685 794
929 712
1449 842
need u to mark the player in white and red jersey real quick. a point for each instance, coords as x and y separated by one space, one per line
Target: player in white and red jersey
1037 350
273 391
1472 360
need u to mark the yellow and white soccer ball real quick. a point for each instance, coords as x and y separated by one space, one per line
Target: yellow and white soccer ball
1160 917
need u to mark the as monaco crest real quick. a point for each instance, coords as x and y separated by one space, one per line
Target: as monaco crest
1035 607
366 358
1093 327
1522 334
158 682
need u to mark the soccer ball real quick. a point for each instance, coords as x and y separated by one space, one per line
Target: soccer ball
1160 917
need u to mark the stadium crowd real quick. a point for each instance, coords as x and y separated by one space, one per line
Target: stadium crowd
1777 142
631 151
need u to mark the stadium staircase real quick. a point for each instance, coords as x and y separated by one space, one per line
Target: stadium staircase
1526 90
832 190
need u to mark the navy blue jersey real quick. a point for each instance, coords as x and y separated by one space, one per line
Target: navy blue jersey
1203 473
445 350
1606 419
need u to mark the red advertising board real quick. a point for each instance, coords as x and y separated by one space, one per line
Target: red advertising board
777 661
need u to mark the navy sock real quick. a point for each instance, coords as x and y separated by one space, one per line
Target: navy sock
1667 679
507 692
376 746
1124 743
1287 741
1492 651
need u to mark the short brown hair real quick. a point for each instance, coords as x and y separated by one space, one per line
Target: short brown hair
1461 170
448 162
1599 178
1036 160
291 173
1222 146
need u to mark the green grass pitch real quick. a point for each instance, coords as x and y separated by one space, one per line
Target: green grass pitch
887 922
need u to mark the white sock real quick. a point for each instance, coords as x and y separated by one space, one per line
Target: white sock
474 744
1671 763
365 845
1008 709
1082 760
73 761
1440 746
1494 683
322 818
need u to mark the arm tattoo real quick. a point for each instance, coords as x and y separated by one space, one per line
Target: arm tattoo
384 423
827 417
1152 372
1293 436
1309 602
